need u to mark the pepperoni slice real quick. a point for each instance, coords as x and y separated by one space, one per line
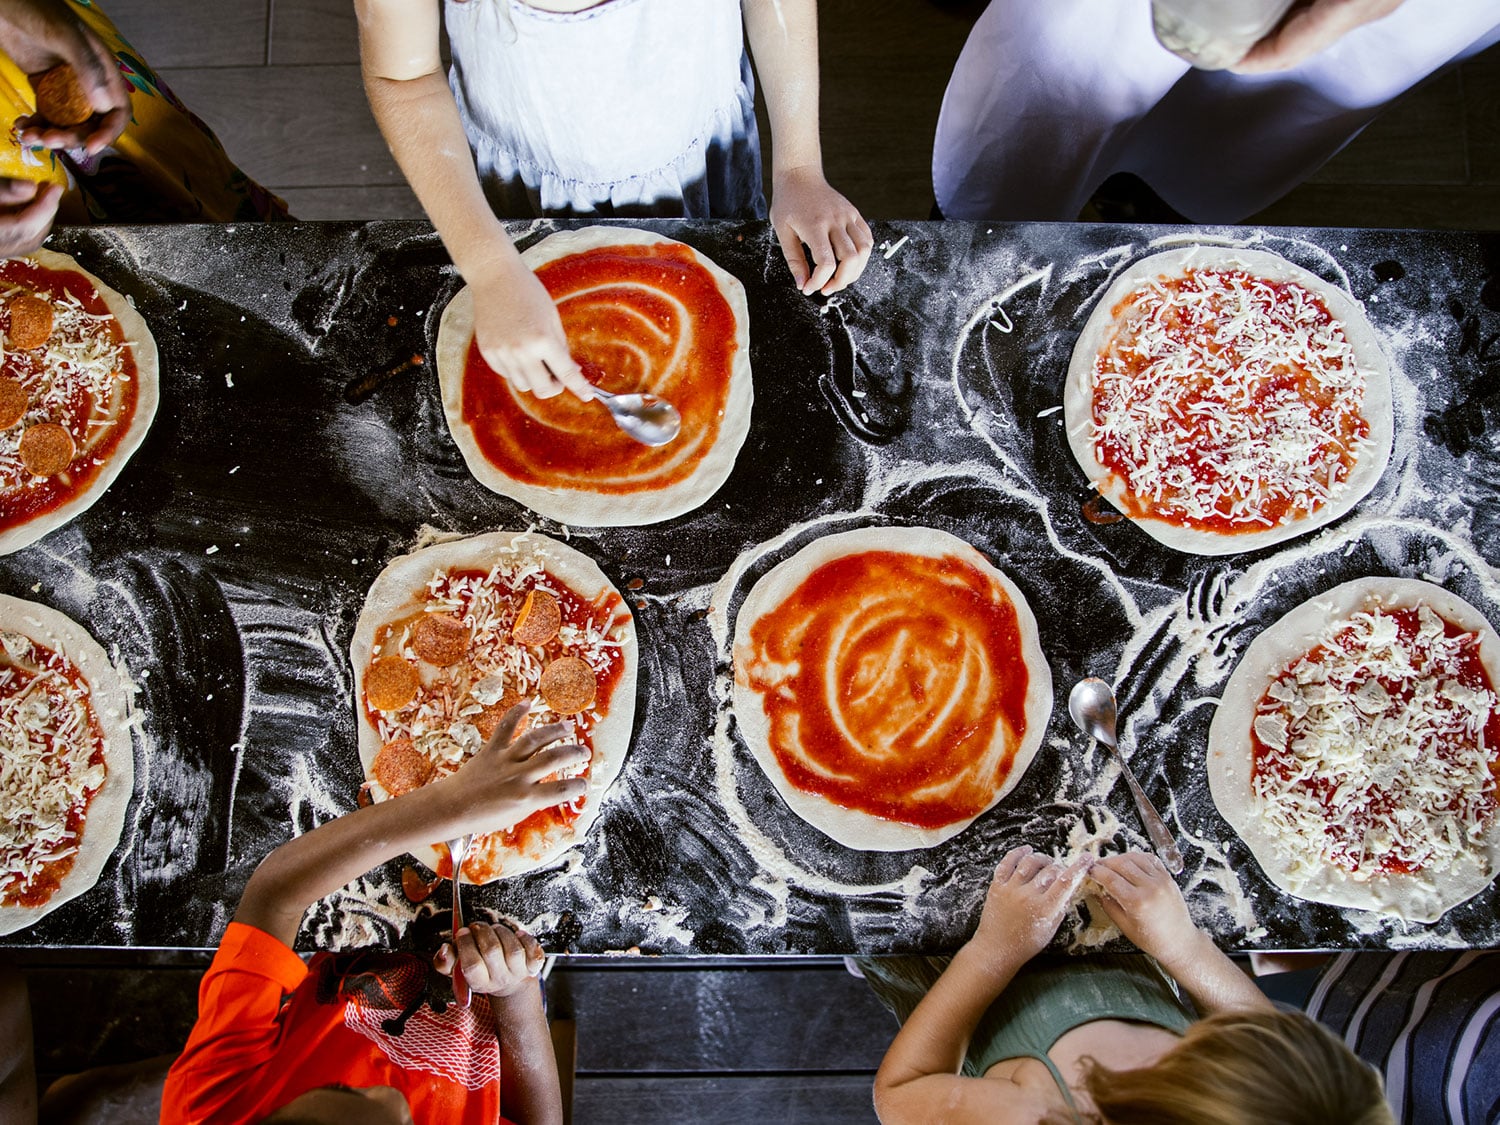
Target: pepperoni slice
487 720
13 401
47 449
391 683
60 97
440 639
30 321
568 685
400 767
539 620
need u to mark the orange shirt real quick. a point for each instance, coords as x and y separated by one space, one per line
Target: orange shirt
270 1028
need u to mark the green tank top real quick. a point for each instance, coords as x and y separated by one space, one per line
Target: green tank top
1049 997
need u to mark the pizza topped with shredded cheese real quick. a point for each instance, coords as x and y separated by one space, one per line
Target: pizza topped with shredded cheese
51 766
451 656
1356 748
1378 750
1235 400
77 391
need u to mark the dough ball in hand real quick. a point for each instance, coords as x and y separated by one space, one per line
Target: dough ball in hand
60 98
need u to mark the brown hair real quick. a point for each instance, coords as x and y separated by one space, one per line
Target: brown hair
1245 1068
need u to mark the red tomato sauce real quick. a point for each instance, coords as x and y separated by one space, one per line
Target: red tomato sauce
45 883
924 658
36 497
1471 673
637 318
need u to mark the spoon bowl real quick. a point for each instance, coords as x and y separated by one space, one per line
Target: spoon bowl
645 417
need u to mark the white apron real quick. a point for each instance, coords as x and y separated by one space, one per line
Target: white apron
632 107
1051 97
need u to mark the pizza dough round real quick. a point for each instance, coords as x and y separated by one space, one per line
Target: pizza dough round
1369 356
147 366
855 828
111 704
578 505
1230 752
396 593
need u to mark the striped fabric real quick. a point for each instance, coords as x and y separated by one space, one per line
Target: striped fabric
1429 1021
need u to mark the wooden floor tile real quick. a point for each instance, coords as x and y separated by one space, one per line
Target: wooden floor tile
314 31
1481 84
293 126
395 201
194 32
1438 206
1417 140
735 1100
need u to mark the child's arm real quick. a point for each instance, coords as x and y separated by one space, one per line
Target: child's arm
1142 899
516 322
804 208
503 964
1022 911
499 787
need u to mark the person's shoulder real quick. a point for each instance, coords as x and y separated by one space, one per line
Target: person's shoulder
248 949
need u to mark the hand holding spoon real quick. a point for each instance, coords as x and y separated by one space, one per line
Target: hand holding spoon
1091 703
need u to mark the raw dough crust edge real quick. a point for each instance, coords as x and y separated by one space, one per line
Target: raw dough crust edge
147 368
1229 749
395 592
111 703
579 506
853 828
1369 354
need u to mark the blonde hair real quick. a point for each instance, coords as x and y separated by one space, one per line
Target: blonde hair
1245 1068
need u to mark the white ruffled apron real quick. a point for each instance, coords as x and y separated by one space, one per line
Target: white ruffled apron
632 107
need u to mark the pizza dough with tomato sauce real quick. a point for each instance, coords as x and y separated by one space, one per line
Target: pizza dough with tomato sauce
1357 745
78 392
1226 400
891 684
65 731
643 313
455 634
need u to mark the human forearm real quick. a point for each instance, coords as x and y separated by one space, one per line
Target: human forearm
935 1037
304 869
783 38
1211 979
530 1093
420 122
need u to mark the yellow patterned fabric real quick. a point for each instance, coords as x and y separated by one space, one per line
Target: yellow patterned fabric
167 166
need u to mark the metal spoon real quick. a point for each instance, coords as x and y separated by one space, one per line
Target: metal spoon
458 849
1091 703
645 417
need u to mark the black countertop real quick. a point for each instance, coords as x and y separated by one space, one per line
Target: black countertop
228 562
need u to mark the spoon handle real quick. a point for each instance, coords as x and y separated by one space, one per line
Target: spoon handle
1161 839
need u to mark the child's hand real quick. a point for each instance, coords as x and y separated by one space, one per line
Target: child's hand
497 960
805 209
41 34
1142 899
521 337
504 783
1025 904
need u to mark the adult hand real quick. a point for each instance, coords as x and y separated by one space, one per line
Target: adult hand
805 209
1142 899
41 34
506 782
1310 27
1025 904
497 960
520 335
26 213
